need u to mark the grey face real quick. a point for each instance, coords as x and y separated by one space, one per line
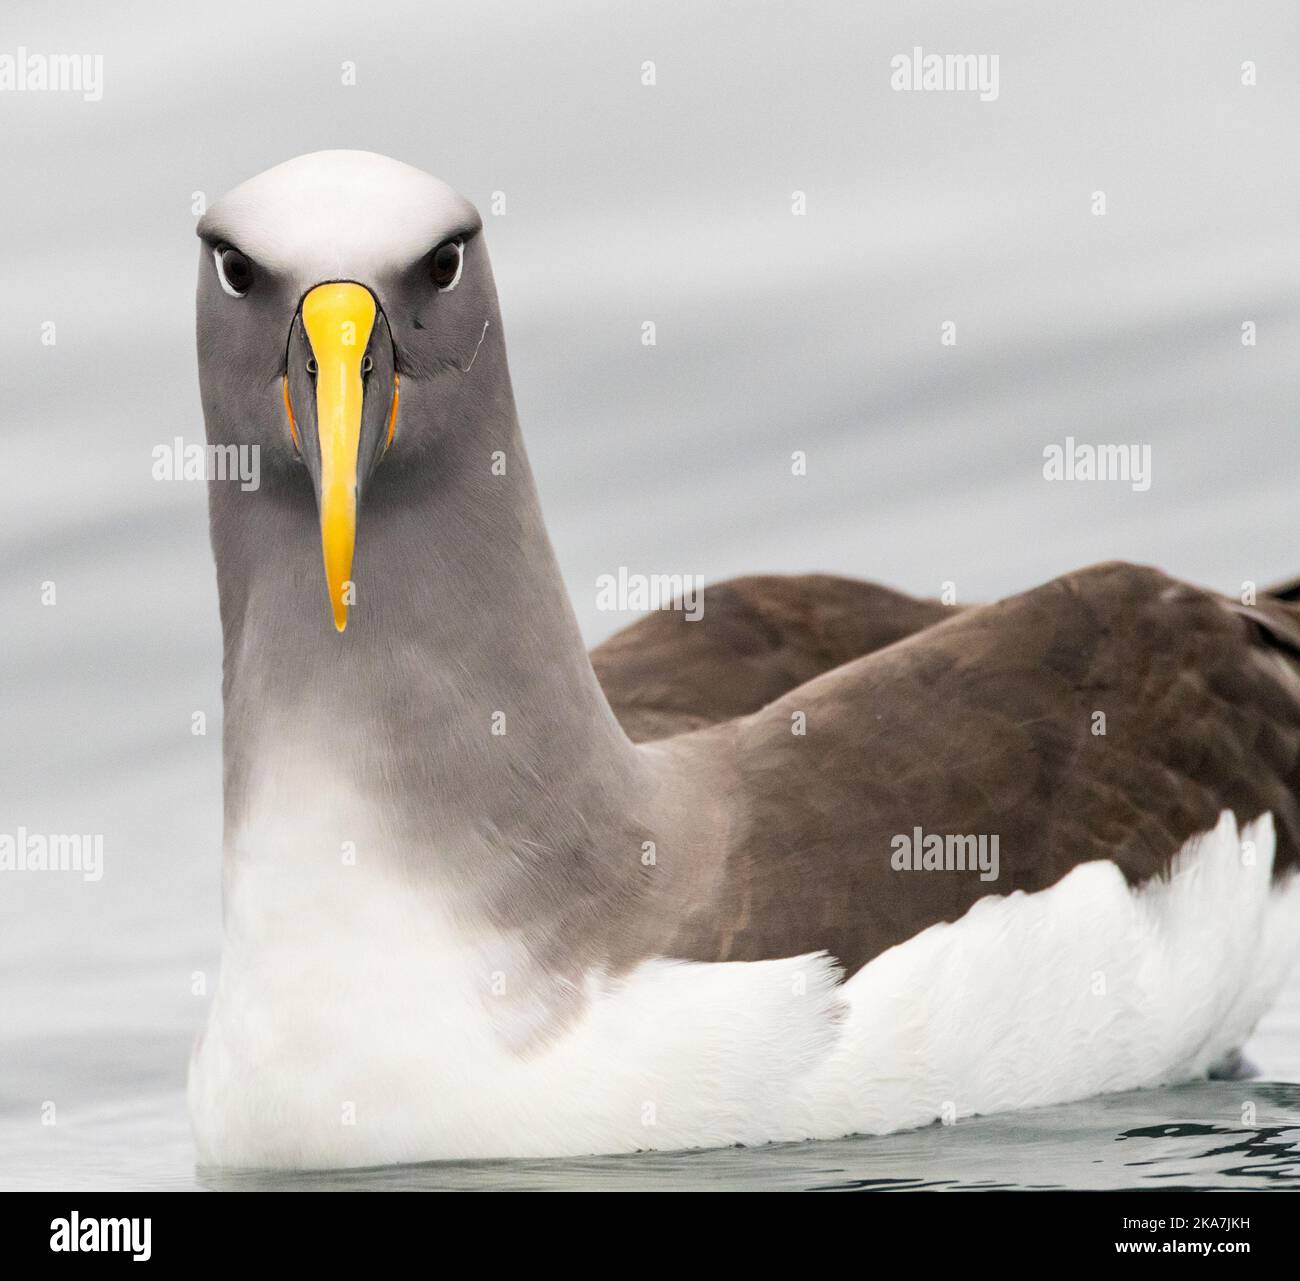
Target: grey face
341 297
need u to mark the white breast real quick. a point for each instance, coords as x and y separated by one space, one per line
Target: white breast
357 1023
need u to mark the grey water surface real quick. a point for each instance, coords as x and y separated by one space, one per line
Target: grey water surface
1213 1136
776 332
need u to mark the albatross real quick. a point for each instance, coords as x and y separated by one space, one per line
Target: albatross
720 882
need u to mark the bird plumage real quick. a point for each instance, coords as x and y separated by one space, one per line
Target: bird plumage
486 895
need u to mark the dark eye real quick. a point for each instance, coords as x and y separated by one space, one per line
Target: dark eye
446 264
234 270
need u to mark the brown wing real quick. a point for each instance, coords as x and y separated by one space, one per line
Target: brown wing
1111 714
758 637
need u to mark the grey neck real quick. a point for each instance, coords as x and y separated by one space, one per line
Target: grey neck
460 697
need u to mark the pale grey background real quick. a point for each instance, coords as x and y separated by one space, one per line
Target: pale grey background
775 333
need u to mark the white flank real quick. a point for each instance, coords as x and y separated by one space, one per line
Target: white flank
356 1025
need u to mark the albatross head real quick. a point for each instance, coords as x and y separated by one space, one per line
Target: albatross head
342 301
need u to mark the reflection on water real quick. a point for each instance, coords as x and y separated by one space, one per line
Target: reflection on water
1267 1153
1128 1140
1216 1135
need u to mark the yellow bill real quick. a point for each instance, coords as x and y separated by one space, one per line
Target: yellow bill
338 319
